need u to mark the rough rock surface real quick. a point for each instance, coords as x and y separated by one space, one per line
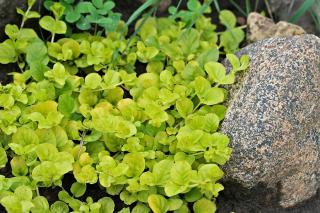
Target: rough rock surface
261 27
273 119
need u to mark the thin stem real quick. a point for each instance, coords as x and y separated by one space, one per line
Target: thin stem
37 190
52 38
198 153
24 19
178 124
123 87
199 104
179 4
95 29
81 143
242 27
20 60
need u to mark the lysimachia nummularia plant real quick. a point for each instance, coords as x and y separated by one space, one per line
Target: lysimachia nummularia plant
79 107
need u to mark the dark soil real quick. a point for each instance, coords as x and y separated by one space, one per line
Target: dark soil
260 199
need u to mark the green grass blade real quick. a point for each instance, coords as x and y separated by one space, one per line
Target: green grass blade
316 20
266 2
256 5
238 7
140 10
304 7
216 5
291 6
248 7
179 4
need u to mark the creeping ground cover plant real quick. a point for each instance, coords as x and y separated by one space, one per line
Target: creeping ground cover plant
80 105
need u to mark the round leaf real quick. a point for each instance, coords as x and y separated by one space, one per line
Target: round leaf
158 203
136 164
92 80
204 206
227 18
107 205
184 107
66 104
59 207
78 189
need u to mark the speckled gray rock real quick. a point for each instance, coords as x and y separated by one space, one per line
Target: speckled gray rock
273 118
